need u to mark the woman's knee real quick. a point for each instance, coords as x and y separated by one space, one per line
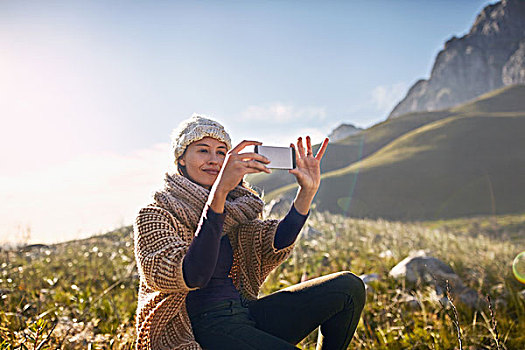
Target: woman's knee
351 284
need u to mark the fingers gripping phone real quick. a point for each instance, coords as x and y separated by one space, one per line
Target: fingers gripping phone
279 157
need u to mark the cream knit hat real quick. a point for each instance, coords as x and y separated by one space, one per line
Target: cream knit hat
194 129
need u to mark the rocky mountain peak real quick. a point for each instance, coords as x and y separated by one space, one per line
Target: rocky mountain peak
343 131
505 17
489 57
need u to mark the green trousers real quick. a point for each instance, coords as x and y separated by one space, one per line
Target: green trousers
284 318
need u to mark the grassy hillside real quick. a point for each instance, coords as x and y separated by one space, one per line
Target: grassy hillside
465 163
83 294
336 156
507 99
353 148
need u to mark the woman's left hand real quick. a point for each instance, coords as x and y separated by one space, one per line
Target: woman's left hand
308 170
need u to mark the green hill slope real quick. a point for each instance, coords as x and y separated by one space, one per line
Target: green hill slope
507 99
353 148
369 141
470 162
336 156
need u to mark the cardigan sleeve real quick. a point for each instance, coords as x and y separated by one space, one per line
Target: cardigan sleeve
159 250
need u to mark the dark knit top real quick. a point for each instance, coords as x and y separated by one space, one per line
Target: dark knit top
209 258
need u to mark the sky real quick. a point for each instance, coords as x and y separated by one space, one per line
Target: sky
90 90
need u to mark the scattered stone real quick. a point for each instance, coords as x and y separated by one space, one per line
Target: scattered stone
278 206
386 254
469 297
445 302
304 277
311 233
367 278
420 270
411 302
423 269
501 303
31 247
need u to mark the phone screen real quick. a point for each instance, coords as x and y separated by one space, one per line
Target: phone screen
279 157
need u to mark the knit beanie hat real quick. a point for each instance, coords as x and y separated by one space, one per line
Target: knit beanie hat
194 129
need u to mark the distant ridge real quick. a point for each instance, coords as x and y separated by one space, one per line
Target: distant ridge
462 161
490 56
343 131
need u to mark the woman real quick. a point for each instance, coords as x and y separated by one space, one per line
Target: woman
203 253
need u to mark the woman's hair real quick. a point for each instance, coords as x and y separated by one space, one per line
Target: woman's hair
181 169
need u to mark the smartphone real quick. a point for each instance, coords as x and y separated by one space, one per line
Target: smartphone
279 157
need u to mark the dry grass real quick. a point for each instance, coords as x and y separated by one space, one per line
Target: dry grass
83 294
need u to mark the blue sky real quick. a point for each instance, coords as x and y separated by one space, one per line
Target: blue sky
96 86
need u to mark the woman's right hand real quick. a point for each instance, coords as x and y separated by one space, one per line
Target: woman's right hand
235 166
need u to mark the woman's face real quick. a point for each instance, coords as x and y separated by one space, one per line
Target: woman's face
203 160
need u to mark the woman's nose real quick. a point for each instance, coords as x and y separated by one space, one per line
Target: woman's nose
214 158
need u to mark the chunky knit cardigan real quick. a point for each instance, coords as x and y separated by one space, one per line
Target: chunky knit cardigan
163 231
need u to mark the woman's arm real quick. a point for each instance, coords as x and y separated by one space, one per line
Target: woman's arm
308 176
159 250
307 173
289 228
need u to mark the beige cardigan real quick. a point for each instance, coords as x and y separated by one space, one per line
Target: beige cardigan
161 241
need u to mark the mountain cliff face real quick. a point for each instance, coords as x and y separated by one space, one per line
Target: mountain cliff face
490 56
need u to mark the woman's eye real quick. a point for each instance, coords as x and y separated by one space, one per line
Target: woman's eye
222 153
203 150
